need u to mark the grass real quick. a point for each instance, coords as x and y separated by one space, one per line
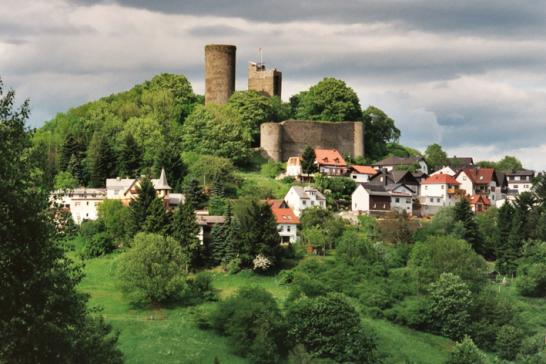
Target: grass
169 335
258 185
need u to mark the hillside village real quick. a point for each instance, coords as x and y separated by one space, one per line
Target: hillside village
233 227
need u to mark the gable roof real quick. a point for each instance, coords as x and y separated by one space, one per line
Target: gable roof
364 169
474 199
330 157
382 190
521 172
302 192
399 161
294 161
440 179
480 176
460 162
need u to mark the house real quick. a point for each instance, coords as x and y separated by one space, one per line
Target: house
437 191
293 167
330 162
519 181
300 198
287 221
393 163
362 174
379 199
82 202
126 190
206 222
479 203
457 163
451 171
384 177
482 181
419 176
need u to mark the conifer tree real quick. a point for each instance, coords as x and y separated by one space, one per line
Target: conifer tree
506 255
43 317
140 205
194 194
130 157
185 229
157 219
308 165
463 213
102 160
222 247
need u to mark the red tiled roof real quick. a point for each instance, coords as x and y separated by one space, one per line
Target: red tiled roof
285 216
480 176
440 179
474 199
363 169
329 156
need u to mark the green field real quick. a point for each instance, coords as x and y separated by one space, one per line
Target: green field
169 335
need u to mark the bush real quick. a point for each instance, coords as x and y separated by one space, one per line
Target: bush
509 340
201 288
466 352
252 320
98 245
153 269
271 169
531 280
411 312
329 327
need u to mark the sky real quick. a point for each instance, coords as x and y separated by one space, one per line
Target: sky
470 75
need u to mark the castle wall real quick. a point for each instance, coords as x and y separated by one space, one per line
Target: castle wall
287 139
219 73
267 81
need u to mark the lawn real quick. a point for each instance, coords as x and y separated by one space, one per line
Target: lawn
169 335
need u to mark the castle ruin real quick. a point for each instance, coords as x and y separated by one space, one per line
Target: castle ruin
219 73
268 82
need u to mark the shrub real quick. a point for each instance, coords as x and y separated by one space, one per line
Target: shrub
411 312
97 245
153 269
252 320
531 280
466 352
201 288
509 340
330 327
271 169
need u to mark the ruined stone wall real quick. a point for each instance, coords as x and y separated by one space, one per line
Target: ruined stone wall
219 73
266 81
283 140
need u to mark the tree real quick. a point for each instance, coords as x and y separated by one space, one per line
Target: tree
157 219
380 131
254 324
184 231
509 339
217 130
254 109
43 317
466 352
257 230
329 327
130 157
102 160
463 213
439 254
329 100
505 252
450 302
193 193
209 170
151 271
116 220
435 156
221 247
140 205
65 181
489 231
509 163
308 157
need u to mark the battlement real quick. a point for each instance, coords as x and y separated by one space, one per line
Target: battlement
263 80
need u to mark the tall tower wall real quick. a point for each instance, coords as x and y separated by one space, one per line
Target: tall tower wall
268 82
219 72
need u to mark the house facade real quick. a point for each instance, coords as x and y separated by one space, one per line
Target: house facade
293 167
519 181
362 174
437 191
82 202
481 181
479 203
299 198
287 221
377 199
330 162
385 178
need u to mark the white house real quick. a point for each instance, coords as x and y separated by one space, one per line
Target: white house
287 221
377 199
330 162
82 202
437 191
391 163
300 198
481 181
362 174
520 181
293 167
446 170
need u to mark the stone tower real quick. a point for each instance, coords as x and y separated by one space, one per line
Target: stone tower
268 82
219 72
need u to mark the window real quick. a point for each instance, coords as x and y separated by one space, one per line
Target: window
525 186
516 186
408 200
397 200
281 228
426 187
431 200
354 177
76 204
443 187
288 228
438 200
87 203
304 202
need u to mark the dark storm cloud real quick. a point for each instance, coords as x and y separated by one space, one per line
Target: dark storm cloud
463 16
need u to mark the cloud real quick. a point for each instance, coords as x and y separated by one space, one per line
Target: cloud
465 75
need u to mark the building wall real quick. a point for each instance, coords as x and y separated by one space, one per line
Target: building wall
289 138
466 183
359 177
268 82
219 73
360 199
288 230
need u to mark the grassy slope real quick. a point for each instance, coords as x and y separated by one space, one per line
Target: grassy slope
168 335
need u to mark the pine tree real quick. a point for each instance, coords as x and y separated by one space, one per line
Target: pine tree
130 157
185 230
222 246
140 205
194 195
505 253
217 203
75 168
157 219
308 165
102 160
463 213
43 317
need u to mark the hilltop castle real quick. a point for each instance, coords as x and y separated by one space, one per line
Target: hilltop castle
279 141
